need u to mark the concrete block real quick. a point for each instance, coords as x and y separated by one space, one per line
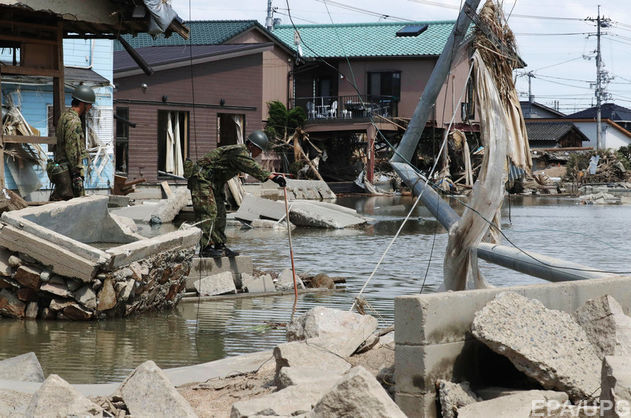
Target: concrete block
5 267
299 354
253 207
453 396
116 201
286 280
23 368
257 284
13 404
422 405
615 395
291 401
57 398
323 215
606 325
545 344
519 405
10 305
210 266
217 284
445 317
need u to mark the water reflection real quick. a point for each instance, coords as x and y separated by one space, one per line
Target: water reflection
106 351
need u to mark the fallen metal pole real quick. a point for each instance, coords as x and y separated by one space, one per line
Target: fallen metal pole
412 135
533 264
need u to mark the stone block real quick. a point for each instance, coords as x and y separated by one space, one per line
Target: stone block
257 284
147 391
77 313
28 276
299 354
5 267
107 296
606 326
545 344
519 405
10 305
453 396
24 368
334 329
615 395
56 289
306 375
357 394
86 296
217 284
57 398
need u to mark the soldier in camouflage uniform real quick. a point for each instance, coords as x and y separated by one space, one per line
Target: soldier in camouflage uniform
70 150
206 180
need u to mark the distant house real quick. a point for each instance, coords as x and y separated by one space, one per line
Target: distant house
355 79
208 91
535 110
554 134
616 125
618 114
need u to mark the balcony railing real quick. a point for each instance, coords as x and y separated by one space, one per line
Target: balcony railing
347 107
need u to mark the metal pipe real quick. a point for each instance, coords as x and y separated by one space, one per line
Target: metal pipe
409 142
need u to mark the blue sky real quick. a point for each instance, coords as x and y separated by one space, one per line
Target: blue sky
553 37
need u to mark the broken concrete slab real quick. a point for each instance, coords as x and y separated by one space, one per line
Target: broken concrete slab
56 289
606 325
58 398
453 396
299 354
23 368
217 284
156 212
306 375
334 329
615 395
357 394
13 403
323 215
253 208
291 401
147 391
6 269
206 266
260 284
86 296
286 281
10 305
545 344
519 405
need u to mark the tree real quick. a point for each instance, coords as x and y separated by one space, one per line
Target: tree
281 122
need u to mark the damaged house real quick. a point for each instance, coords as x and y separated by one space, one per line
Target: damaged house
46 50
371 79
208 91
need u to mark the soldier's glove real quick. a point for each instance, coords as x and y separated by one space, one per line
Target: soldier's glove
280 180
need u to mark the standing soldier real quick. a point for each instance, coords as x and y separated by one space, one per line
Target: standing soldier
70 150
206 180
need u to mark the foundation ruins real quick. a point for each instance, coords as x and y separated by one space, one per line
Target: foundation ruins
74 260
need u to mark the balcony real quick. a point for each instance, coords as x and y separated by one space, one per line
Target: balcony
327 108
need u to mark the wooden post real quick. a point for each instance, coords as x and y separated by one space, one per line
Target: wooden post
58 82
371 133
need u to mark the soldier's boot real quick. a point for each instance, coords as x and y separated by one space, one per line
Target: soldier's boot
225 250
211 252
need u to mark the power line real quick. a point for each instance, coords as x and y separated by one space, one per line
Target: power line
364 11
550 34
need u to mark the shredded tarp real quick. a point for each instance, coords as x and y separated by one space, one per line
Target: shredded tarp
161 16
504 135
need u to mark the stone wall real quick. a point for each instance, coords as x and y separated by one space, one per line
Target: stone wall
31 290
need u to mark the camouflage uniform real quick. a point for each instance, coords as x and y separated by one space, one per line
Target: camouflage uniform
71 148
206 180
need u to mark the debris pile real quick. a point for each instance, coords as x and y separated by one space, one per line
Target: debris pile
599 167
577 364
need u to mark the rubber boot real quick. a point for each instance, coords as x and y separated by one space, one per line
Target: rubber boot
225 250
211 252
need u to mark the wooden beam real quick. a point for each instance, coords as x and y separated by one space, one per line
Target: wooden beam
15 38
42 72
22 139
58 82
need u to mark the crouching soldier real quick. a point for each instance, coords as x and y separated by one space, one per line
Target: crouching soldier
206 180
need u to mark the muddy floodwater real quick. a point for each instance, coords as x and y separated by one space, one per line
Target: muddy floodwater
96 352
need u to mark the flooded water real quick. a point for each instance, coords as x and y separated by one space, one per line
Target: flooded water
97 352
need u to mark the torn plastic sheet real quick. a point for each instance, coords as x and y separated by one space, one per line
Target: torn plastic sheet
161 16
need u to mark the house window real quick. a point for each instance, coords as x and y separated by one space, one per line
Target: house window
230 129
172 141
387 83
122 140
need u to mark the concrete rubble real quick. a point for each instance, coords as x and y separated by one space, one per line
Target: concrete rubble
285 281
357 394
24 368
217 284
147 391
56 397
615 395
303 357
13 404
261 284
53 269
453 396
545 344
305 213
606 325
156 212
518 405
338 331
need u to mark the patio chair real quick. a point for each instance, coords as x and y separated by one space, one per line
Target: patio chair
311 112
333 109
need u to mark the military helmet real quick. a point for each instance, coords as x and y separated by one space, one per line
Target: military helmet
259 139
84 94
